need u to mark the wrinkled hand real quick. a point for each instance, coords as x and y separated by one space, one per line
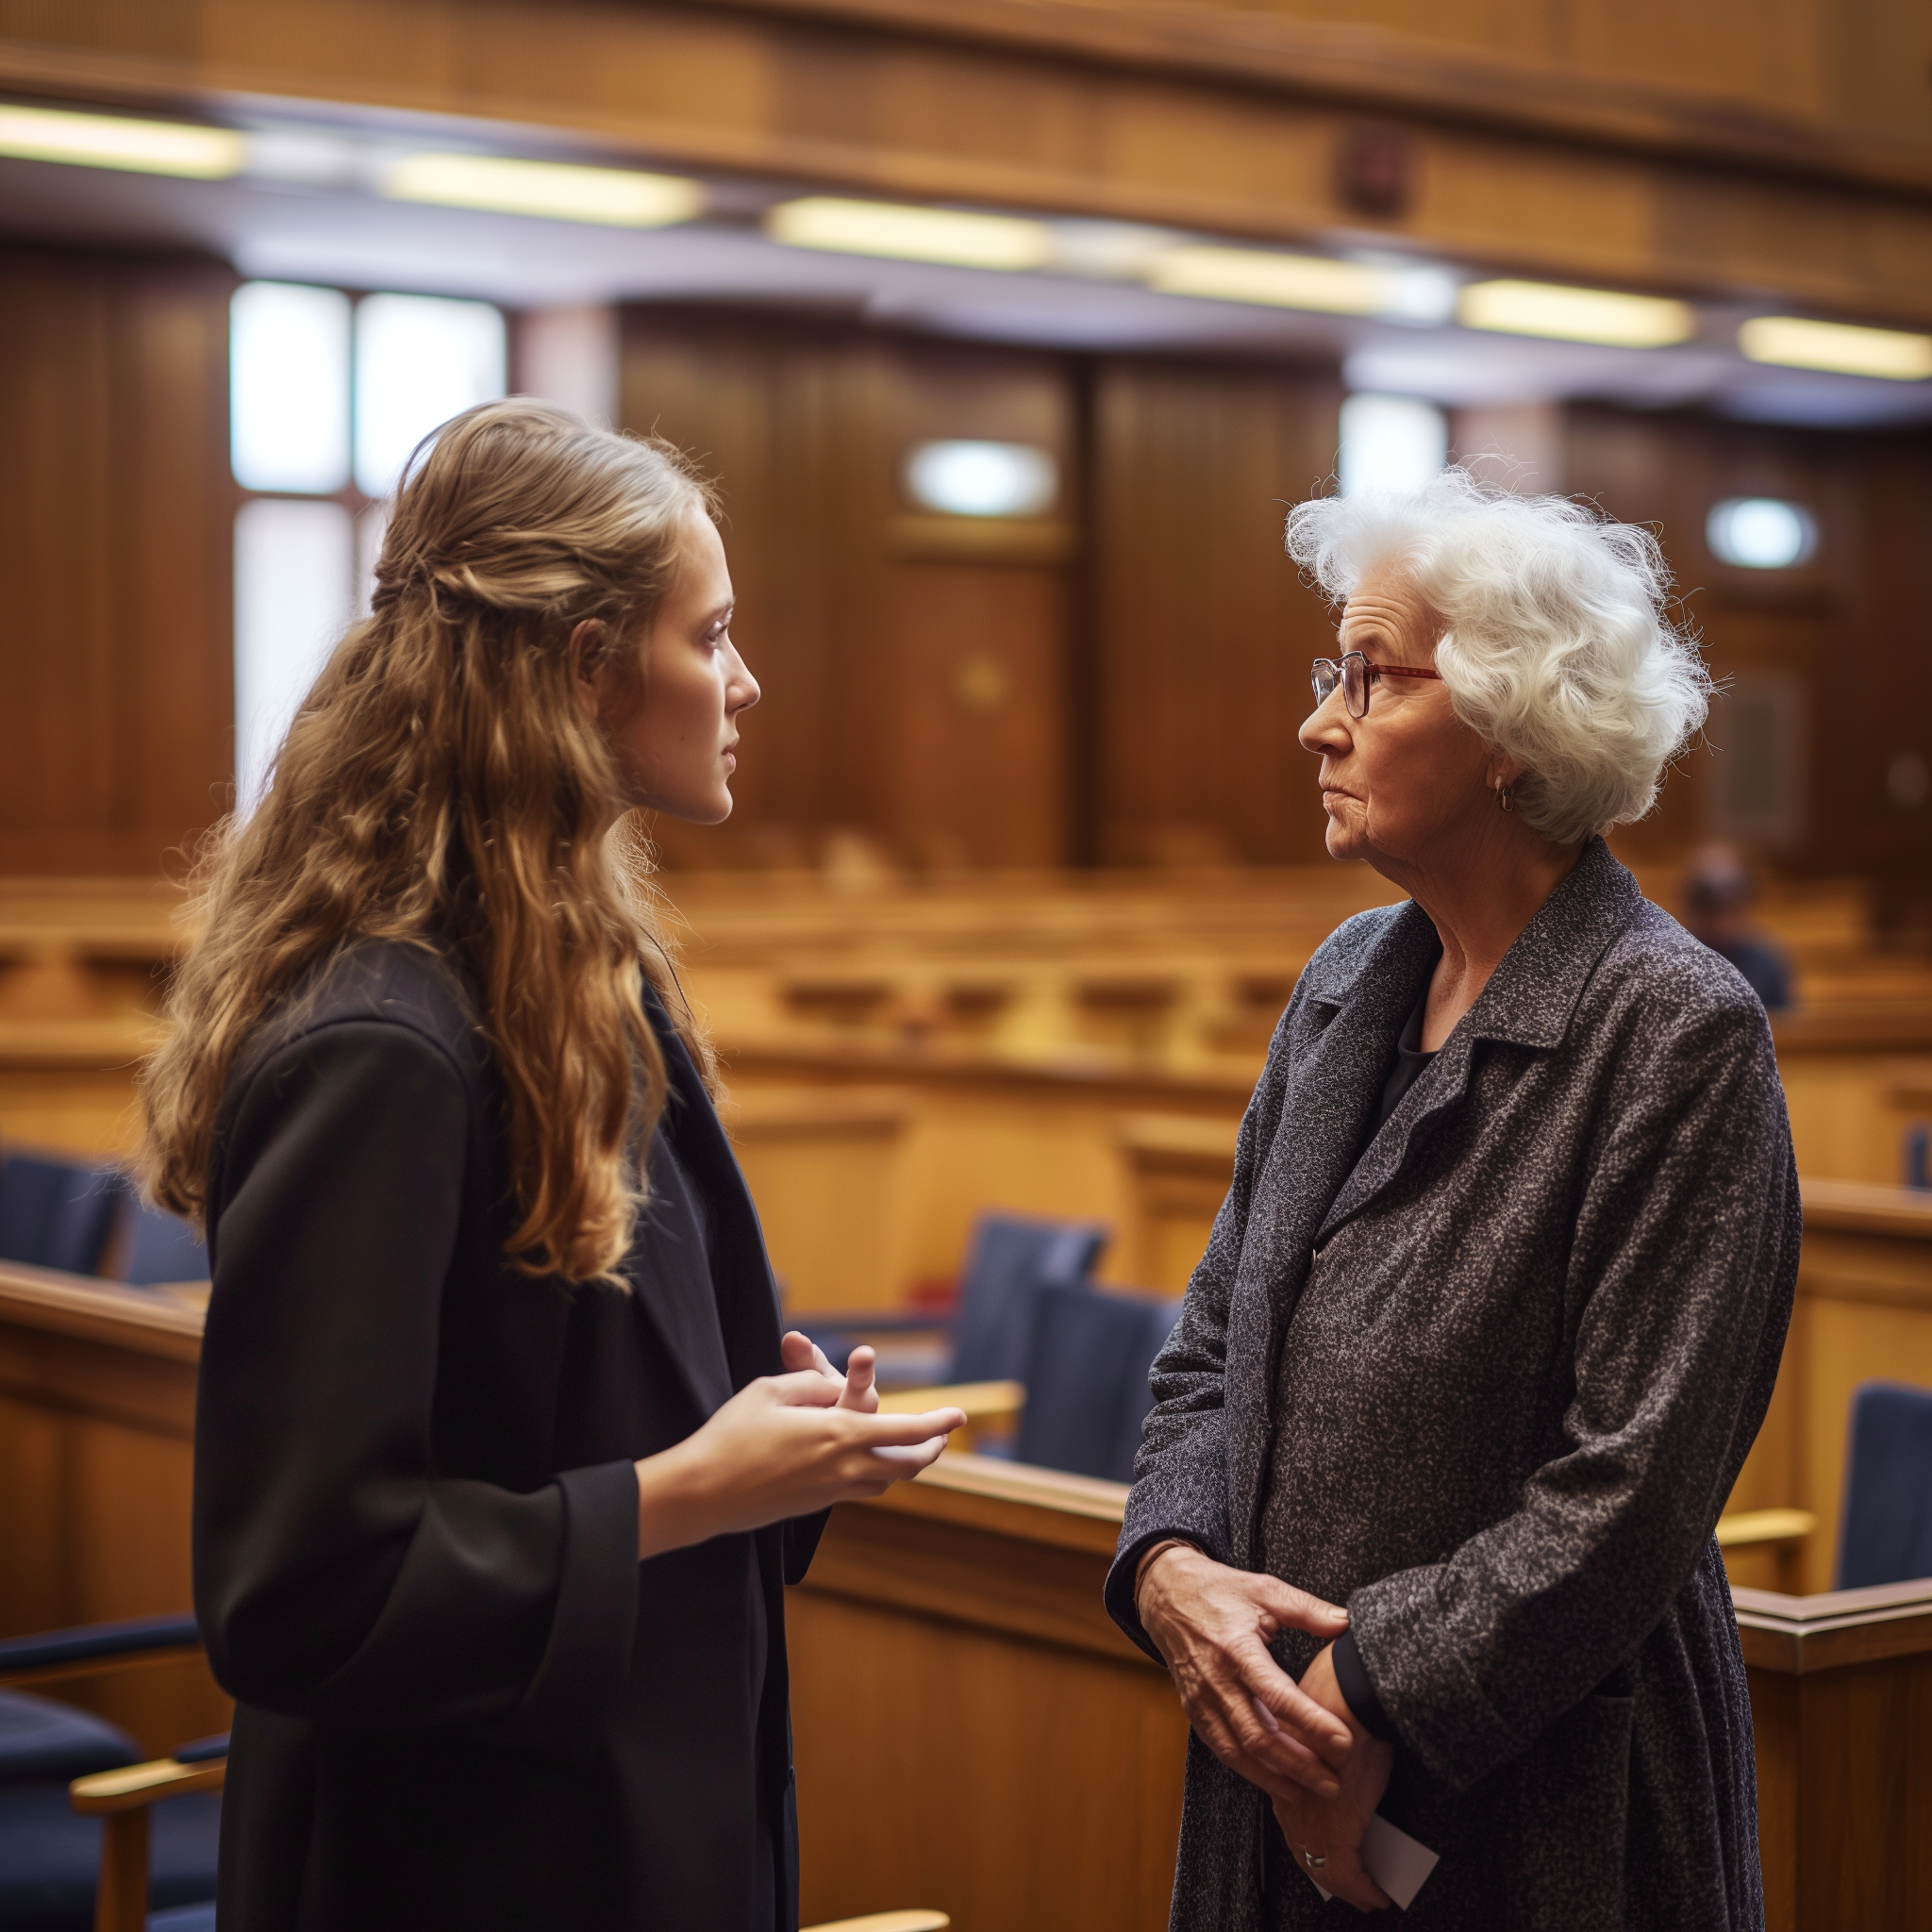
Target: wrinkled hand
785 1445
1332 1828
1212 1625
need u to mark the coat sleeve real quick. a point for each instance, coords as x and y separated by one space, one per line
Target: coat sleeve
1681 1273
1180 1472
338 1578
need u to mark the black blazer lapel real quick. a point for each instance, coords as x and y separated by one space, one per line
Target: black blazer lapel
747 1295
669 1276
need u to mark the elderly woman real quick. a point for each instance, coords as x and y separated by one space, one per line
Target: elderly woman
1423 1518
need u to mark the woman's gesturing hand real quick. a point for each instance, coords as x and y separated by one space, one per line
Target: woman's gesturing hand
1213 1624
1331 1828
855 1386
784 1446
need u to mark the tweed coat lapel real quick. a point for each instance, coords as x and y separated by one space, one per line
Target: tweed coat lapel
1312 1181
1528 1003
1350 1012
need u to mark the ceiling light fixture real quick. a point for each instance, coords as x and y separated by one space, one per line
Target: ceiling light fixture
1576 315
112 140
1796 343
911 234
552 191
1277 281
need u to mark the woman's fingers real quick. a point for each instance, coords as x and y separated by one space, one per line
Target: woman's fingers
1272 1759
1291 1706
1343 1875
1295 1609
859 1372
895 1431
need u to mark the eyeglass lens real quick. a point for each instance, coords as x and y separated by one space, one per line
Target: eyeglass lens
1351 674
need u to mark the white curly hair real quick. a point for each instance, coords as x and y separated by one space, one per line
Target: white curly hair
1557 649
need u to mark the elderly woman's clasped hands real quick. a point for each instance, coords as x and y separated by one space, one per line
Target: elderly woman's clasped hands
1324 1774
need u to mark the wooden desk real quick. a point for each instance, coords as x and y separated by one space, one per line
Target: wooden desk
96 1467
1863 1313
971 1730
1842 1708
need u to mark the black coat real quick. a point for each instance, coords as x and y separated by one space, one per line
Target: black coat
1489 1382
460 1700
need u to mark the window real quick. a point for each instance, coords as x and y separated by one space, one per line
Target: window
1760 533
328 397
1394 443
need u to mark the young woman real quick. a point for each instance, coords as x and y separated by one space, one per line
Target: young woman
501 1461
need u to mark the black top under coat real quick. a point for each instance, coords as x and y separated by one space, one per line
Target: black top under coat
461 1698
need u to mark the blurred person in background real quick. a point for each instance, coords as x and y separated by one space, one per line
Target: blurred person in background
1718 893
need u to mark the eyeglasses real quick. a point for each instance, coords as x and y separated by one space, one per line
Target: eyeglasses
1355 674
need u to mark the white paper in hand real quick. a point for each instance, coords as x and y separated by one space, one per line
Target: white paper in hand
1395 1861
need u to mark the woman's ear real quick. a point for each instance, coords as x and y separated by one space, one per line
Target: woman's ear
587 656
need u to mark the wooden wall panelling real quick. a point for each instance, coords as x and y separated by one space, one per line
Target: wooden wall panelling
975 649
768 414
1848 624
1203 631
115 517
57 651
913 667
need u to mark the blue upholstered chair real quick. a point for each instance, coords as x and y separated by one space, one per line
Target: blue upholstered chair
1087 1393
57 1214
1009 1259
1885 1532
1012 1262
160 1247
50 1856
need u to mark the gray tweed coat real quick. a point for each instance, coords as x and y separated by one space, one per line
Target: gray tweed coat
1488 1385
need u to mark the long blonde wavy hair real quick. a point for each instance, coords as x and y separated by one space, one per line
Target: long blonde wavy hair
442 786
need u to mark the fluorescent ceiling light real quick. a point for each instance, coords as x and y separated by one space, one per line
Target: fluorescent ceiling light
1278 281
1405 291
555 190
109 141
1797 343
911 234
1576 315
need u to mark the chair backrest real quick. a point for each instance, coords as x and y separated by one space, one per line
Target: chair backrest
46 1742
1087 1393
1012 1258
1885 1533
56 1214
161 1247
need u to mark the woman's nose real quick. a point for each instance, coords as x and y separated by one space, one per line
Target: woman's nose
743 691
1325 728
